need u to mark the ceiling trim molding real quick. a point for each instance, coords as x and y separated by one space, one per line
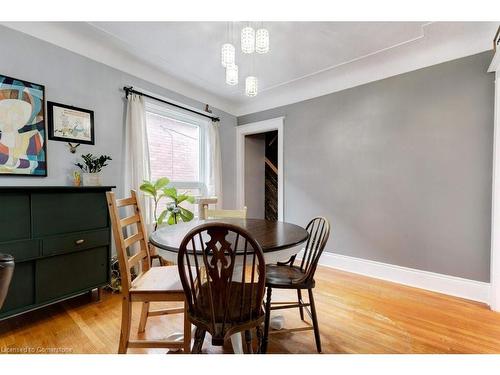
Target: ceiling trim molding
62 35
439 44
422 35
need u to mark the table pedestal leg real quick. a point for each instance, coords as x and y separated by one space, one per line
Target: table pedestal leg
237 343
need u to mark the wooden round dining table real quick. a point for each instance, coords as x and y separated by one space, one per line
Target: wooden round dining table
279 240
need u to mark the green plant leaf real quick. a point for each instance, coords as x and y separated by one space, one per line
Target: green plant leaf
171 219
171 193
148 188
185 214
161 218
93 163
161 183
181 198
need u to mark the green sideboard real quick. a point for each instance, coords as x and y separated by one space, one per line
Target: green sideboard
60 238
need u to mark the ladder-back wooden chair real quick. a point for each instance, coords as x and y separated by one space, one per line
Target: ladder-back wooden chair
222 270
287 275
226 214
153 284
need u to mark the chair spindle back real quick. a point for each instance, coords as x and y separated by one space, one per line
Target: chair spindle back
319 231
222 271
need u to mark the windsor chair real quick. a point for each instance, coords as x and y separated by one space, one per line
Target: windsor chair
222 271
287 275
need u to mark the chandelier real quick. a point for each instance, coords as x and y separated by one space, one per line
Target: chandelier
251 42
228 54
251 86
232 74
248 40
262 41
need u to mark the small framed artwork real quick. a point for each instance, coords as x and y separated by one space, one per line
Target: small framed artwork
70 124
22 128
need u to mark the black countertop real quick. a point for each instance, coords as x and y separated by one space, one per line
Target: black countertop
57 188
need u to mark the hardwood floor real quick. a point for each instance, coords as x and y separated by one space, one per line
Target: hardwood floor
357 314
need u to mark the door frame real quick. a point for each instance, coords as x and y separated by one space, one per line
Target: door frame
495 196
256 128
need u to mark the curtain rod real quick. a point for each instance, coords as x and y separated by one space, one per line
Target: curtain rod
130 90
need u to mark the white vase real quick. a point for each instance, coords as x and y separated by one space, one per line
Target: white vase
91 179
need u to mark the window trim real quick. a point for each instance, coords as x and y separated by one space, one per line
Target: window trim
178 115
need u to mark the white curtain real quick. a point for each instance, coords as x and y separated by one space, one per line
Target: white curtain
137 167
213 162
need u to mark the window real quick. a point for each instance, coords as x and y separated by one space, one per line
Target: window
176 149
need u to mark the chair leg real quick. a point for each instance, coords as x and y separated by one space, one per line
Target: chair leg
301 309
248 340
258 330
267 321
315 321
199 337
144 317
125 327
162 261
187 331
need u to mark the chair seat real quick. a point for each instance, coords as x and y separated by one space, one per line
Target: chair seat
286 277
247 309
158 280
235 311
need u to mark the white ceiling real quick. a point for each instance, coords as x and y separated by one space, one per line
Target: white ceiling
306 59
191 50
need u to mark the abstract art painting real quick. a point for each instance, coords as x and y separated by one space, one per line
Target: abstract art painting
22 128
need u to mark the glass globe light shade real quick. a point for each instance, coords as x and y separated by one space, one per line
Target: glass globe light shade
248 40
227 54
262 41
232 74
251 86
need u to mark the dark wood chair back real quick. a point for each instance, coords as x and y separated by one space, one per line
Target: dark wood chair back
319 231
222 271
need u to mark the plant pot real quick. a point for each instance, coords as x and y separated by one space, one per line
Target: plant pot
91 179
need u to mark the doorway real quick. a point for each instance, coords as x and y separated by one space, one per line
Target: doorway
261 175
259 168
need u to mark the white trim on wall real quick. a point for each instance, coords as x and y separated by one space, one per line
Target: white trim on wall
256 128
441 42
495 192
79 38
438 42
451 285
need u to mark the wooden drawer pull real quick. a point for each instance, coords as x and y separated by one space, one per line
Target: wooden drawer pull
79 242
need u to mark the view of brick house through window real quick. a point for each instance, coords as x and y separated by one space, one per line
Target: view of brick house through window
174 151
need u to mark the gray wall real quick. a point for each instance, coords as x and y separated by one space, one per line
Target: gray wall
255 175
75 80
402 167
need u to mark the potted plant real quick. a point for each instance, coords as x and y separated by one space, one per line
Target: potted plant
174 212
91 168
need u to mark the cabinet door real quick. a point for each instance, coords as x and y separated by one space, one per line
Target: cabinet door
14 216
68 212
68 274
22 288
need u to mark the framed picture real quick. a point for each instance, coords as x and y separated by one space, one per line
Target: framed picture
70 124
22 128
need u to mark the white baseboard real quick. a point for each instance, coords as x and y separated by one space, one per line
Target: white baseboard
455 286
